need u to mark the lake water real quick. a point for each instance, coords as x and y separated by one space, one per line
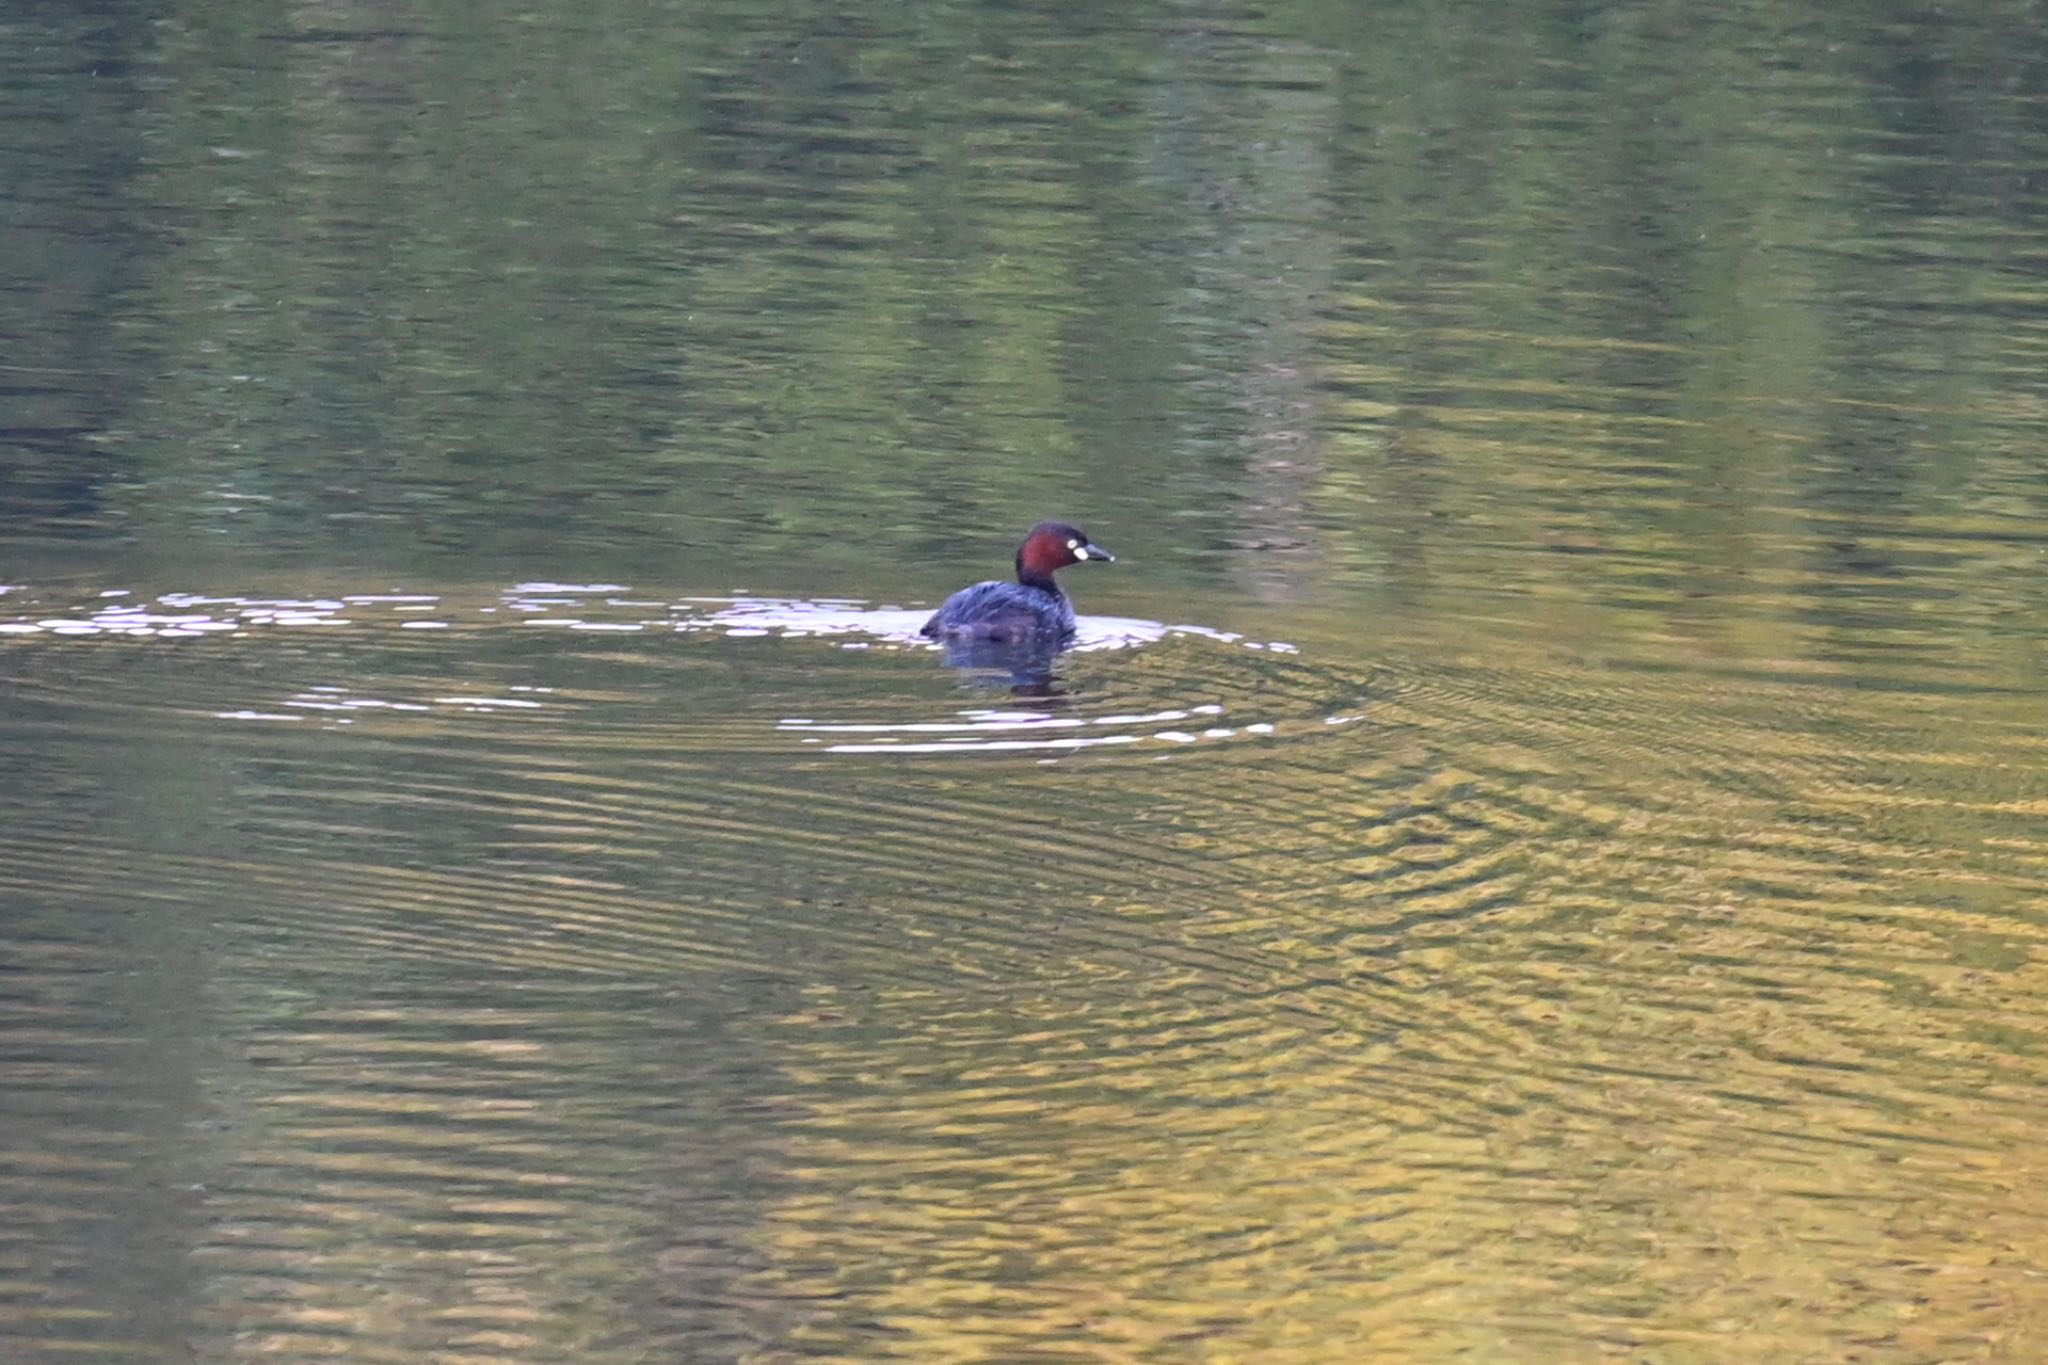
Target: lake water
1541 853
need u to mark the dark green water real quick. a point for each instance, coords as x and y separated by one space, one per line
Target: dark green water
1544 856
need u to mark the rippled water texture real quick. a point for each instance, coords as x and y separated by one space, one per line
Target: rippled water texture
1539 851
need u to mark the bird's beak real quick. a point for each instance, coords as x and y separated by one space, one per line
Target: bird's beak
1095 552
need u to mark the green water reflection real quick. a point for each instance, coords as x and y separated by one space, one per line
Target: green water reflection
1613 929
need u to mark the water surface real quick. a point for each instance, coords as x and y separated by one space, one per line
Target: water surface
1539 856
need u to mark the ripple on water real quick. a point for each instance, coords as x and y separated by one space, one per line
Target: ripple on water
519 802
606 609
1269 951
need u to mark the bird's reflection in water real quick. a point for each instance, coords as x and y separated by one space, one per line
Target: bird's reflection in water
1024 668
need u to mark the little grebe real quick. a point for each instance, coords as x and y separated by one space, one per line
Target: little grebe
1031 610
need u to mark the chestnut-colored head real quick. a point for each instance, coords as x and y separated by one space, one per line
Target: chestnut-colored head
1051 546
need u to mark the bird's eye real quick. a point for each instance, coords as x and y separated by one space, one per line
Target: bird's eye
1073 545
